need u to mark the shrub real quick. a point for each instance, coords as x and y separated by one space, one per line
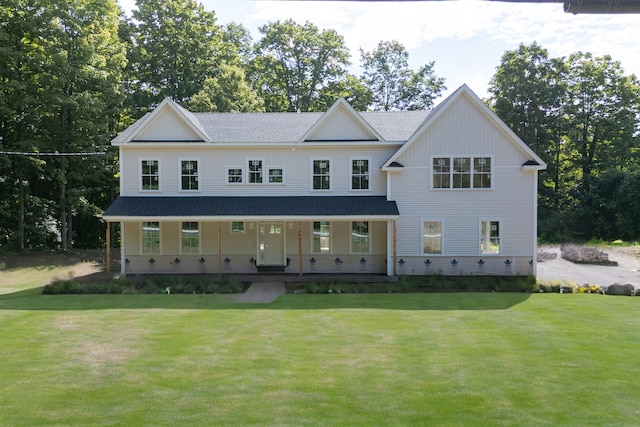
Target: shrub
58 287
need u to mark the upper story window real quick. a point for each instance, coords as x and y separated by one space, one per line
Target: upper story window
359 174
189 175
461 172
276 175
321 174
150 175
234 175
255 172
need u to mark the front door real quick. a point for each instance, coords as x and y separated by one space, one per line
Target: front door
271 250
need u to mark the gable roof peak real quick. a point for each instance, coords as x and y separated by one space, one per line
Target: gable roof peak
341 103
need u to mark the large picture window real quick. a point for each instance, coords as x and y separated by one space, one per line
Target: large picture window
490 238
190 238
321 237
322 174
151 237
150 175
432 238
461 172
189 175
359 174
360 237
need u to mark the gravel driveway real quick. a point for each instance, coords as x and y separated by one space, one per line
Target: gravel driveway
627 270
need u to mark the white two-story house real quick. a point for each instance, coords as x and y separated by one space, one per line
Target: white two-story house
447 191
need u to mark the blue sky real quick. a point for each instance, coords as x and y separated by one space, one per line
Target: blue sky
465 38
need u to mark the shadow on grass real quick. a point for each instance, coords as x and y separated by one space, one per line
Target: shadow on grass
33 299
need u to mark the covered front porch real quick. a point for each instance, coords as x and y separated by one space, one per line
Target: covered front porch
296 235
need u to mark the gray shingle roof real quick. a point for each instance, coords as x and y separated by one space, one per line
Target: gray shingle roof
290 127
306 206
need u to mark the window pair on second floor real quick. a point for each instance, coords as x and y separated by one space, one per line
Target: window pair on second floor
150 175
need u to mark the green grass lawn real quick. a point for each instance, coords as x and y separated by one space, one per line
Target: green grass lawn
481 359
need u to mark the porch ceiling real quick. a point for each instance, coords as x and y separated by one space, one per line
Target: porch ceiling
131 208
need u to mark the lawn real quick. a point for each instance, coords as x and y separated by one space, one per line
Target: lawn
486 359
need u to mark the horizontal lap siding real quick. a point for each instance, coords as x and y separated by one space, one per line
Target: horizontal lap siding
214 161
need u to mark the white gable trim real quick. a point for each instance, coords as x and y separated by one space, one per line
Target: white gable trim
341 102
490 115
145 122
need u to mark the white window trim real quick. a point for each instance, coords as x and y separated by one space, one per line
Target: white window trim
142 159
500 237
244 228
226 175
248 171
351 239
311 251
471 157
358 190
199 238
189 159
142 252
442 243
331 167
267 175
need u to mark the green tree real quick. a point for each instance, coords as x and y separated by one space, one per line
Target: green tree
294 64
393 85
82 93
229 92
174 50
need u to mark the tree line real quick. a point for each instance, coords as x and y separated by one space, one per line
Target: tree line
581 114
74 74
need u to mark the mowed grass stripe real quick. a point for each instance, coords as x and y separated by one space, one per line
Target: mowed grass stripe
396 359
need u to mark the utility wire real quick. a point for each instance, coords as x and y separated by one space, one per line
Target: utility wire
54 154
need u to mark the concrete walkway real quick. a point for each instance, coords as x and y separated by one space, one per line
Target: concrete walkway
263 292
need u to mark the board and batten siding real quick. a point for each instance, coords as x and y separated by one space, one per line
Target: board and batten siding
463 130
214 161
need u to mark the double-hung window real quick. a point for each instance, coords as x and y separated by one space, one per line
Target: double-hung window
490 237
255 172
150 175
151 237
321 175
276 176
234 175
237 227
189 175
321 237
190 238
463 172
360 238
359 174
432 237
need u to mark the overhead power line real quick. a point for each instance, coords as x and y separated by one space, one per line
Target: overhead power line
48 154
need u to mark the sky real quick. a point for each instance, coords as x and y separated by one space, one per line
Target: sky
465 39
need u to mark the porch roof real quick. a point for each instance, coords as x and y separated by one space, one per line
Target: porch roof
132 208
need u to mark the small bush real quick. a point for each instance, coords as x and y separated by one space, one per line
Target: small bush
58 287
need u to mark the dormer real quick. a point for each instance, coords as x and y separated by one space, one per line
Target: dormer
341 123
